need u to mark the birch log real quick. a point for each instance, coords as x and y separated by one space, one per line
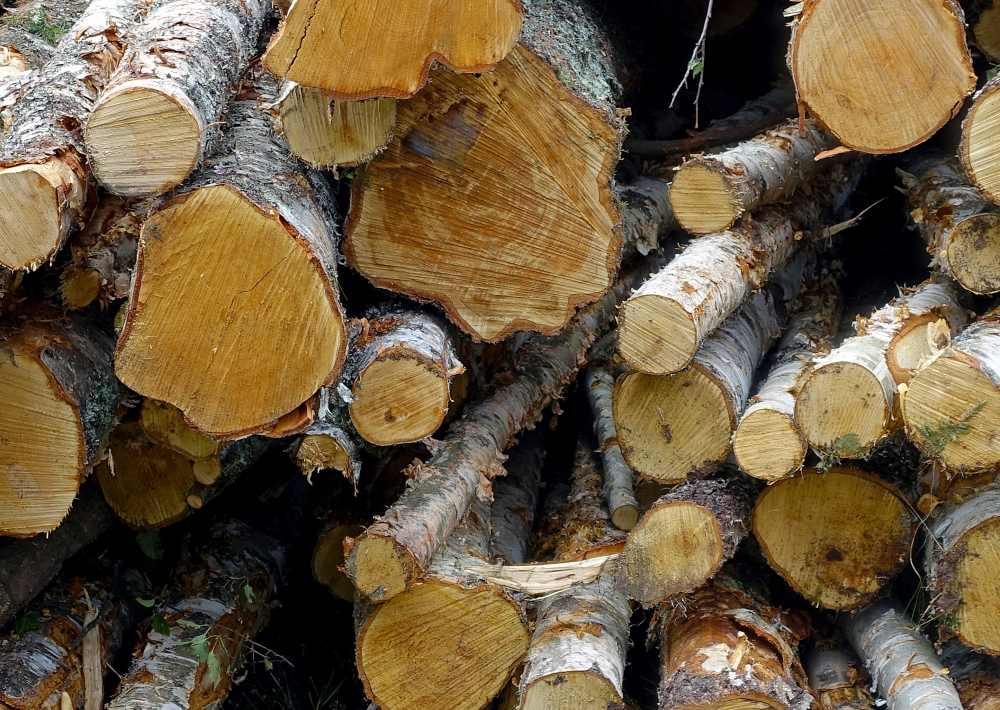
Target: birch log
250 227
45 188
159 114
880 82
619 480
515 499
836 674
980 146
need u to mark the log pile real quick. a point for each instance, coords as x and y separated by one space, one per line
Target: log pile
379 295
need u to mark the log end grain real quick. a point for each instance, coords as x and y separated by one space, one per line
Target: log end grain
380 568
164 424
986 33
980 147
571 691
975 572
35 203
916 342
399 400
974 254
656 335
319 451
625 517
702 199
768 445
328 558
842 406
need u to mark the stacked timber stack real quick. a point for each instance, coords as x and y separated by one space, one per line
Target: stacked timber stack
548 380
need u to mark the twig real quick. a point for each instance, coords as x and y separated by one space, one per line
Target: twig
696 65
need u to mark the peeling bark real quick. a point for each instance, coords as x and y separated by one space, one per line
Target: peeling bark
515 499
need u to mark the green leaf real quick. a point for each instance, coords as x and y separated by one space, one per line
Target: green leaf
214 670
268 666
160 625
199 644
248 593
148 603
992 72
696 66
150 544
847 446
187 624
936 436
28 622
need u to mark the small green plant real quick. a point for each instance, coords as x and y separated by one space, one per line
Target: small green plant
160 624
38 24
846 447
28 622
992 72
936 436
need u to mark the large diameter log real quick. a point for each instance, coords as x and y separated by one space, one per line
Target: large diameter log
662 325
848 401
44 181
768 443
709 193
157 118
226 269
684 538
837 537
961 569
674 425
902 662
505 232
619 480
721 648
60 400
880 82
391 554
960 226
321 43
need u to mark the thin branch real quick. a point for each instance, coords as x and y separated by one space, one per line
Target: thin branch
696 65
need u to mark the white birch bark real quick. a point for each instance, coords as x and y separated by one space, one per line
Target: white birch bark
619 480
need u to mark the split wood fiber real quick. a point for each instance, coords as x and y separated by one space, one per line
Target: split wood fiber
495 199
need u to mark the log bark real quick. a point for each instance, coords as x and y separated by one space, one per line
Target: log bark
159 114
389 557
902 662
45 188
976 676
720 647
836 675
515 499
710 192
979 147
29 33
61 399
218 601
685 538
838 537
196 333
319 43
27 566
881 86
672 426
960 564
505 232
960 226
848 401
768 443
327 133
662 325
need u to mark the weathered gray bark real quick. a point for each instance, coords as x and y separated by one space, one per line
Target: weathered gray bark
515 499
619 480
836 674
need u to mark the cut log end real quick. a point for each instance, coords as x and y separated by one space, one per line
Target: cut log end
768 445
656 335
675 549
79 287
32 224
214 252
980 149
319 451
702 199
837 537
625 517
436 622
880 84
575 690
974 253
161 130
912 345
986 34
975 622
839 400
328 558
671 426
165 425
399 400
381 568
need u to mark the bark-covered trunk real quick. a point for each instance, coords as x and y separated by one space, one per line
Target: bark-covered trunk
159 114
836 674
879 82
663 324
515 499
45 188
391 554
976 677
848 401
902 662
619 480
226 269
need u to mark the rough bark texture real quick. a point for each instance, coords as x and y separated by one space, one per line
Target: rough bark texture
440 492
159 114
836 675
515 499
618 491
902 662
976 677
710 192
32 44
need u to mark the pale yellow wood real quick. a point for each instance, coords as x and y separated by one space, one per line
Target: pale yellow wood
383 569
915 343
574 690
839 400
317 452
974 254
659 334
399 400
164 424
328 556
981 141
986 32
977 569
360 50
207 471
705 199
768 445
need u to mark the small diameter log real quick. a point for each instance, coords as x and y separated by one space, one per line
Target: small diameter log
391 554
879 82
330 441
619 480
848 401
983 18
902 662
720 649
515 499
505 232
219 599
160 112
450 642
768 443
60 400
961 563
399 371
710 192
226 269
44 181
685 538
27 566
838 537
836 675
960 226
662 325
327 133
320 42
672 426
